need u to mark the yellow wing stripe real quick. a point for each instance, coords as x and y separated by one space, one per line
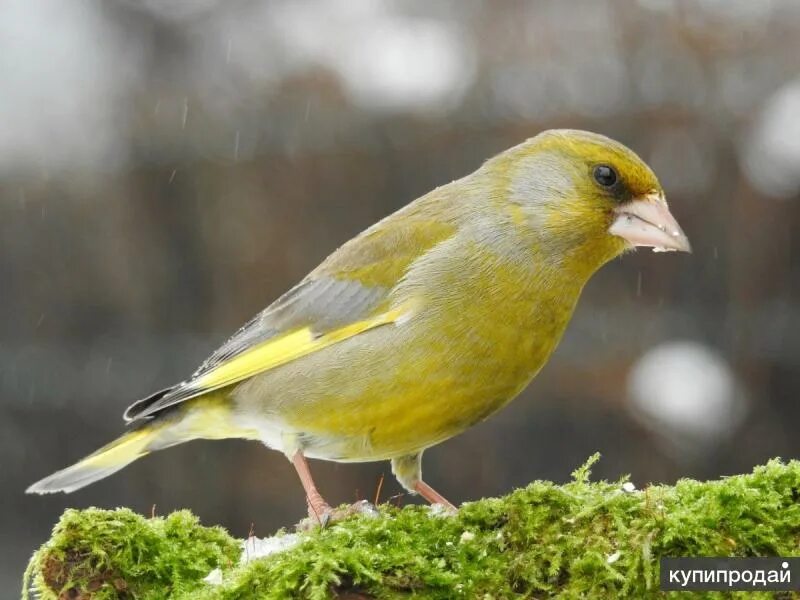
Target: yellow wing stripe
289 347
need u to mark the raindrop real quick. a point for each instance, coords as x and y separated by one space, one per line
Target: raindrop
185 112
236 147
172 175
639 284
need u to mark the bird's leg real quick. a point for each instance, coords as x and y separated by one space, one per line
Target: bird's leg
319 511
317 507
432 496
408 471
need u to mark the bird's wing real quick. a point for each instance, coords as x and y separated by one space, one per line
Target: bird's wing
346 295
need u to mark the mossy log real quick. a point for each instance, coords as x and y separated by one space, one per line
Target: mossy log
579 540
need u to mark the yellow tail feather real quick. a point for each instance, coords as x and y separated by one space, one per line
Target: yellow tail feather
102 463
208 418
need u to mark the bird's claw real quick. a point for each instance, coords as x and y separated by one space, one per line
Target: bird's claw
322 517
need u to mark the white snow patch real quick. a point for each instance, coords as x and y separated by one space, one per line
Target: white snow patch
254 547
439 510
214 578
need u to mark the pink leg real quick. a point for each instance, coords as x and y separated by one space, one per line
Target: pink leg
431 495
317 507
408 470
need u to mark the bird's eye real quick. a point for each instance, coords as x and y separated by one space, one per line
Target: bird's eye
605 175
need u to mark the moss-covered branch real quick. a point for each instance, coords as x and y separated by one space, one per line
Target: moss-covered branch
581 539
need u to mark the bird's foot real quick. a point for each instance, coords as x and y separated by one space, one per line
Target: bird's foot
322 516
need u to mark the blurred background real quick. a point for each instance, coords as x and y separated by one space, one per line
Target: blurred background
168 168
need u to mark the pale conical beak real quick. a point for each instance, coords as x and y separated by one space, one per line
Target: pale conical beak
648 222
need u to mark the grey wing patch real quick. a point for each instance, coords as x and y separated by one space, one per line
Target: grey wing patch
323 303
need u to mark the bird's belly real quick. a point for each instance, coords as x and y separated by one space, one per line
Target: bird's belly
398 419
386 394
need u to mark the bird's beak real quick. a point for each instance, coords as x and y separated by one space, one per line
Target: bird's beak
647 222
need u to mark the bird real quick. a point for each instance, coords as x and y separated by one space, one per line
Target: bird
423 325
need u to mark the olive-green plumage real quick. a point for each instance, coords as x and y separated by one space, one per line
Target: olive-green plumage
421 326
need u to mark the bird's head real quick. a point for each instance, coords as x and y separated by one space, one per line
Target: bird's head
587 197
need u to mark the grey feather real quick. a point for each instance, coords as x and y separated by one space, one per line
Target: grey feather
323 303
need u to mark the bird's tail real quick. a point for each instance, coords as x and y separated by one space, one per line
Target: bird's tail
210 417
105 461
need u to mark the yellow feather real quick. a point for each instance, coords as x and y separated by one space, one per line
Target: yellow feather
102 463
281 350
123 450
211 418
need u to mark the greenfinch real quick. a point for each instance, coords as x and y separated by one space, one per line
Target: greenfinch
423 325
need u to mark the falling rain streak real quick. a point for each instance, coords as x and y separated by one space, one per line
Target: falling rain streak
185 113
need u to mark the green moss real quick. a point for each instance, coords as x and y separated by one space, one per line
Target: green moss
578 540
104 554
